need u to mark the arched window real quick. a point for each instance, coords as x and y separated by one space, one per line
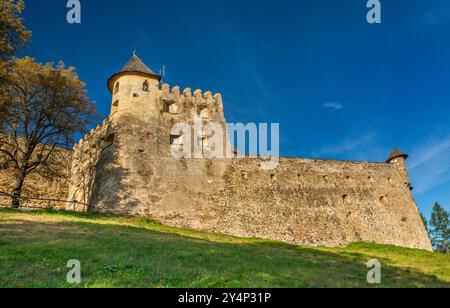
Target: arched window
116 88
145 86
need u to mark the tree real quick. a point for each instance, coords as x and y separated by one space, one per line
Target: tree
440 229
13 37
13 34
45 107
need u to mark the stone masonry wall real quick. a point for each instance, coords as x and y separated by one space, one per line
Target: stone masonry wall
321 202
304 201
85 159
40 184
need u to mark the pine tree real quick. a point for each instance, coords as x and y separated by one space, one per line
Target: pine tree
440 229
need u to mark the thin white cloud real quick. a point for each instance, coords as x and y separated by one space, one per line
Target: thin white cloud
348 145
430 165
429 151
333 105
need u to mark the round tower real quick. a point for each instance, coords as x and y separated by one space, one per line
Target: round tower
398 159
134 89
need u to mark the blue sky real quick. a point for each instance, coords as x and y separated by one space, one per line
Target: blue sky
339 87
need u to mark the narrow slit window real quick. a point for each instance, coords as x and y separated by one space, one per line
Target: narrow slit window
166 108
145 86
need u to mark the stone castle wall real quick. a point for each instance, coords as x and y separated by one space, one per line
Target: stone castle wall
41 184
85 159
126 167
321 202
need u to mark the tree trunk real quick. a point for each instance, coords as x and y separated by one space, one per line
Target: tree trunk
17 192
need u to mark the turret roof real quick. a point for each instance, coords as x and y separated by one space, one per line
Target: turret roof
395 154
134 66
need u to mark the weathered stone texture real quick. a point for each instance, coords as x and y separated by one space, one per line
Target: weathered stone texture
125 166
303 201
321 202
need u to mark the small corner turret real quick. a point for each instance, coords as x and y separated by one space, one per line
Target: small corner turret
395 154
135 66
135 83
398 159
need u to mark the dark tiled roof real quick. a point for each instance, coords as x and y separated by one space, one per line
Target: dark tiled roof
136 66
396 153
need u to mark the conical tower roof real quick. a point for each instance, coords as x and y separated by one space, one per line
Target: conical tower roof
395 154
134 66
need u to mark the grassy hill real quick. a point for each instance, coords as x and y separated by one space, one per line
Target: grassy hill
135 252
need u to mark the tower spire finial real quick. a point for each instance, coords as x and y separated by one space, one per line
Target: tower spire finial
134 51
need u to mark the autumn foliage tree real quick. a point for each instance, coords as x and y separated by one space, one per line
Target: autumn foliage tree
13 37
45 107
13 34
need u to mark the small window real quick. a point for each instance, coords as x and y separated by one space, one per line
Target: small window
145 86
166 108
346 199
203 112
116 88
115 107
108 141
176 140
205 143
135 95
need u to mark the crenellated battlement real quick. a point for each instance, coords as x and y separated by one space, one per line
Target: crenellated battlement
190 102
85 157
126 166
92 137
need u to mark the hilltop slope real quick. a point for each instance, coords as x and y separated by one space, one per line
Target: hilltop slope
134 252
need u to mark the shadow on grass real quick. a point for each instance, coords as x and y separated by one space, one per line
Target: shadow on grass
34 254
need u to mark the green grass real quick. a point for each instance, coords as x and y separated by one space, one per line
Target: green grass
135 252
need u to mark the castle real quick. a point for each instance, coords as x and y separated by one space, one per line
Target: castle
125 166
